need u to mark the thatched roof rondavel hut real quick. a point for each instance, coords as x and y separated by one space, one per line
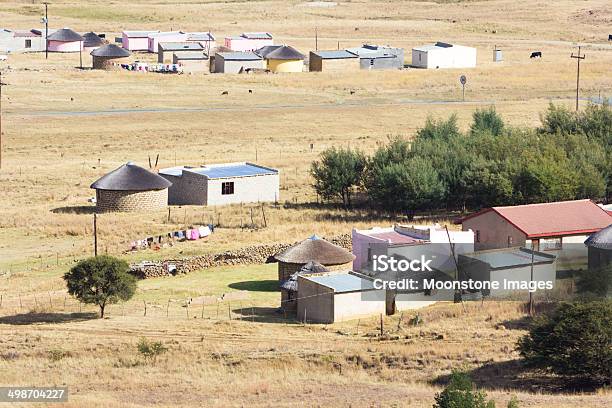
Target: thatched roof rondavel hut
65 40
92 41
600 248
108 57
314 249
131 188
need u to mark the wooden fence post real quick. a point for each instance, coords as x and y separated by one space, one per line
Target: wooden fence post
145 307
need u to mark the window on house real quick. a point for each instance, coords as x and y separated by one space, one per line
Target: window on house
419 57
510 241
28 43
227 188
551 244
477 235
371 61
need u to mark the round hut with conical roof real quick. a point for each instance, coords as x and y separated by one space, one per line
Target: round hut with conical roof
284 59
600 248
131 188
65 40
289 288
313 249
108 57
92 41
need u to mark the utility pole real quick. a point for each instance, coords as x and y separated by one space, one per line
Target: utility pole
95 231
316 39
578 58
531 307
1 119
46 21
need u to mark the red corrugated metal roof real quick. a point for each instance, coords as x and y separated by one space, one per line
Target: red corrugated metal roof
553 219
395 237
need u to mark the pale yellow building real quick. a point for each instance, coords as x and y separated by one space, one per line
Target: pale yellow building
282 58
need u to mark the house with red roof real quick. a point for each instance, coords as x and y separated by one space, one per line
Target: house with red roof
547 225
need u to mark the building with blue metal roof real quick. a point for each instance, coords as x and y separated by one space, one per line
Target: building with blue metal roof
220 184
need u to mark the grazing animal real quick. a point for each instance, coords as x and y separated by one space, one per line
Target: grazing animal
609 37
225 93
536 54
250 91
352 92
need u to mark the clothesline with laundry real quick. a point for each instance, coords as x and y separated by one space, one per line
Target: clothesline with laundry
157 242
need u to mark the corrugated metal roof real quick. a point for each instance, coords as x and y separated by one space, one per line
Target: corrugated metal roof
335 54
222 170
204 36
511 257
342 282
181 55
257 36
395 237
374 51
239 56
139 34
181 46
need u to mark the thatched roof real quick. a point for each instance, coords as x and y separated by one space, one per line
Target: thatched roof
92 40
110 51
130 177
311 267
317 250
285 52
601 239
265 50
65 35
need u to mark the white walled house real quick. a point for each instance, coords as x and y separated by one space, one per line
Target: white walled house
443 55
220 184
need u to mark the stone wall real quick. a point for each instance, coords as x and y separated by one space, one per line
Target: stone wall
255 254
131 201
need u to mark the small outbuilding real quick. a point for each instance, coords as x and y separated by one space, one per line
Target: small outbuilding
313 249
333 61
192 61
220 184
131 188
165 50
284 59
379 57
136 40
108 57
338 296
600 248
92 41
289 288
65 40
237 62
443 55
249 41
168 36
18 41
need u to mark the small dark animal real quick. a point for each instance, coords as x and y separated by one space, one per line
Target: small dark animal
536 54
250 91
352 92
225 93
71 99
609 37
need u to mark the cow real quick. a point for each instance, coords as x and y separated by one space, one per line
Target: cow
609 37
536 54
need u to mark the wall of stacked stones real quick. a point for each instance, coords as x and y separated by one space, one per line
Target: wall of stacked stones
255 254
131 201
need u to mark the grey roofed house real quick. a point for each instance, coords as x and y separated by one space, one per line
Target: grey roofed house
257 36
139 34
15 41
130 177
335 54
315 249
239 56
379 57
285 52
601 239
92 40
65 35
181 46
110 51
181 55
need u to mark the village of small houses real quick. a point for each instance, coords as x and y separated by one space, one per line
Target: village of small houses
195 194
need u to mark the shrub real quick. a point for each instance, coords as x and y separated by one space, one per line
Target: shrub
487 120
595 282
101 280
150 350
337 173
574 341
460 393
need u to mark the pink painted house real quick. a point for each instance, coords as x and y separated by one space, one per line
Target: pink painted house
136 40
169 36
65 40
249 41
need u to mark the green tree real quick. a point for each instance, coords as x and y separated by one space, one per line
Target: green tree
150 350
439 129
575 341
337 173
487 120
101 280
460 393
558 119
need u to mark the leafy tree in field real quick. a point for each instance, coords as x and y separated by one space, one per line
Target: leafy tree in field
547 178
101 280
574 341
439 129
487 120
558 119
460 393
337 173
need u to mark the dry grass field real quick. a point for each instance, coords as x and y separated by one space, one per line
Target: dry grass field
64 127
